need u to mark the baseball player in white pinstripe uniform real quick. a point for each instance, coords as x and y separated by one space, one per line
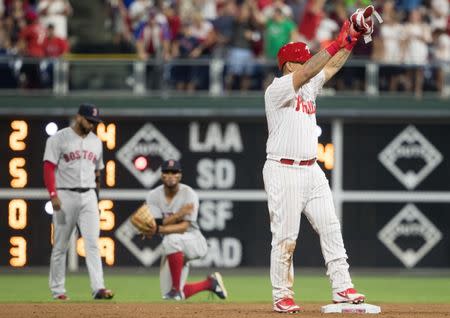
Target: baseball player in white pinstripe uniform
73 159
293 180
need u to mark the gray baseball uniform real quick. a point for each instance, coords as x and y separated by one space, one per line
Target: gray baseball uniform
192 243
77 159
295 183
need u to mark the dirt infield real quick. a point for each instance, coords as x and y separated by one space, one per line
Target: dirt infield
199 310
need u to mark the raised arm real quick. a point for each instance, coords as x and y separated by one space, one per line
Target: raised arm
347 37
336 63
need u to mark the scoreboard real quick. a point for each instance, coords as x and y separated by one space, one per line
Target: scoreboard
222 160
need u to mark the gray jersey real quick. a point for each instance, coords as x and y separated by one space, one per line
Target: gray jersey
76 158
157 202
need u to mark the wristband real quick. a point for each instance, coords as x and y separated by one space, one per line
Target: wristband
333 48
52 194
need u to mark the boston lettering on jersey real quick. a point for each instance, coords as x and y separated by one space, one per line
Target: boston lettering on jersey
307 107
76 155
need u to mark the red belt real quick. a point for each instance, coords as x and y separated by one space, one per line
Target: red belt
291 162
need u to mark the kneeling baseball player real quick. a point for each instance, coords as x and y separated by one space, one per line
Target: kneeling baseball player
171 210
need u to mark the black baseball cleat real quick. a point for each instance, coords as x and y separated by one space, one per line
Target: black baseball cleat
103 293
217 285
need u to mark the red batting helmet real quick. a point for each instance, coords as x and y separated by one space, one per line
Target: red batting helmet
293 52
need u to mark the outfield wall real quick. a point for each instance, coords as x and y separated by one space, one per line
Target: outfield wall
388 175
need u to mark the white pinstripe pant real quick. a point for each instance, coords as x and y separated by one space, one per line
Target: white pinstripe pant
292 190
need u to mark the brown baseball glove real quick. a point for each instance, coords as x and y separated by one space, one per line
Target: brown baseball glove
144 221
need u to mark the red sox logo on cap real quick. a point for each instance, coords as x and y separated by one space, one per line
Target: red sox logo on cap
94 111
171 163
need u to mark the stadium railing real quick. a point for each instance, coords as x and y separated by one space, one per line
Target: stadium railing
127 75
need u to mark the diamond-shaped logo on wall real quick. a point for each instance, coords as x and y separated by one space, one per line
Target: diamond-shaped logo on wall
126 233
144 153
410 235
410 157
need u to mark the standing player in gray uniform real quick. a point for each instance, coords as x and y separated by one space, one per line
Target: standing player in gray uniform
175 208
293 180
74 156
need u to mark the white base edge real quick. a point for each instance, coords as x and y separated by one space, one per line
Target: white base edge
351 309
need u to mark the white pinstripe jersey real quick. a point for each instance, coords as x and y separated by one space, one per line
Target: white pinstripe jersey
291 118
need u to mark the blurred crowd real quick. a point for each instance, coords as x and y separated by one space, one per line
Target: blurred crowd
35 29
246 34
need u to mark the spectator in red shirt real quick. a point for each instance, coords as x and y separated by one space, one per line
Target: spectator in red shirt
173 21
310 22
32 37
154 43
54 46
154 39
30 44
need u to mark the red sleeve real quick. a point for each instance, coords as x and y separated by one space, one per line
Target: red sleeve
49 178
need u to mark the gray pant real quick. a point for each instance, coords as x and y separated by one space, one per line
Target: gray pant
81 209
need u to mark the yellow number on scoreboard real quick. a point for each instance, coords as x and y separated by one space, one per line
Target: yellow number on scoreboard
325 154
110 173
18 251
17 214
107 217
106 246
107 134
20 132
17 171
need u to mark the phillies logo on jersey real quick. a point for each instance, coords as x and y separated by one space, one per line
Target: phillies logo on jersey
77 155
307 107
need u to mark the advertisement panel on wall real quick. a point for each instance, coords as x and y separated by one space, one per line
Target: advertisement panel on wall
389 156
397 234
394 197
222 159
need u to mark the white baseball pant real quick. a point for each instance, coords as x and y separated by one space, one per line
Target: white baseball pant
81 208
292 190
192 244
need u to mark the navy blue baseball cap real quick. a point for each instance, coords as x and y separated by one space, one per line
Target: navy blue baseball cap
171 165
90 112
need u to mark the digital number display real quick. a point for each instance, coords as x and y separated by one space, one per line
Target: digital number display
223 158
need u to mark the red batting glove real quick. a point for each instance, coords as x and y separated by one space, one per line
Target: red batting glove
346 39
354 37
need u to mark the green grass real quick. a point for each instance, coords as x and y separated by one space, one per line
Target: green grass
145 288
